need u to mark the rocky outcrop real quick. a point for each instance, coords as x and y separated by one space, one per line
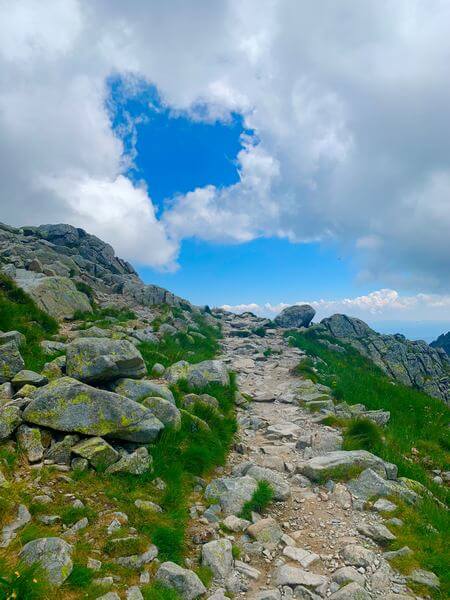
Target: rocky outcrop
443 341
34 255
295 316
412 363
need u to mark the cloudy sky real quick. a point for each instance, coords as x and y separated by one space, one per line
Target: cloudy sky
240 152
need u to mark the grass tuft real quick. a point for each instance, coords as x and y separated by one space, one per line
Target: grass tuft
260 500
362 434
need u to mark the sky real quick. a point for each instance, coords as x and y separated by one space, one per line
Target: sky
249 154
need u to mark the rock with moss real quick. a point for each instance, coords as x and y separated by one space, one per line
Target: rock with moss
57 296
11 361
52 347
165 411
138 389
231 492
10 419
53 555
136 463
370 484
198 375
26 377
97 451
218 556
190 400
55 368
72 406
30 442
103 359
61 452
184 581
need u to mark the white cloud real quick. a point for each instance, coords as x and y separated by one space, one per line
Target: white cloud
380 305
348 106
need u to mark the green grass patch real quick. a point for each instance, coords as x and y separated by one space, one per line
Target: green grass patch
158 591
23 582
205 575
80 578
19 312
260 500
98 315
362 434
306 369
341 473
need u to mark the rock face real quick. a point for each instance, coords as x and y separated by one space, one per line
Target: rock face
69 405
295 316
53 555
443 341
103 359
57 296
32 255
412 363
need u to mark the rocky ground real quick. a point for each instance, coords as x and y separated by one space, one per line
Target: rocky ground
315 540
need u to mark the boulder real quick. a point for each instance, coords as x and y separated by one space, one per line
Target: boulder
30 442
358 556
200 374
139 389
165 411
136 463
12 337
55 368
217 555
293 576
184 581
11 361
57 296
425 578
370 484
97 451
377 532
266 531
60 452
69 405
10 419
52 554
295 316
103 359
281 489
351 591
231 492
346 575
190 400
303 557
341 462
26 377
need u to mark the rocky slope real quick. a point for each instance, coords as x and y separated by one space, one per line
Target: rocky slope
47 261
443 341
412 363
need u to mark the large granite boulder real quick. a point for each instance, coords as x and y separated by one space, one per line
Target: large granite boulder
70 405
53 555
200 374
412 363
164 410
295 316
57 296
103 359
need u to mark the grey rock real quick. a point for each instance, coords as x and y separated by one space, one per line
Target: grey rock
326 465
158 370
60 452
97 451
134 593
148 505
69 405
426 578
6 391
272 594
191 399
11 361
25 377
218 557
55 368
293 576
10 419
352 591
346 575
295 316
357 556
136 463
12 337
10 530
235 524
137 390
109 596
404 551
231 492
377 532
135 562
76 527
369 484
282 489
266 531
52 347
103 359
185 582
304 557
383 505
29 439
165 411
52 554
200 374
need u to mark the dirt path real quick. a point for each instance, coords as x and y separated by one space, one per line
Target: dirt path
319 524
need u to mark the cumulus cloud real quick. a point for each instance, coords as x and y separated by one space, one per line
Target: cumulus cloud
347 105
380 305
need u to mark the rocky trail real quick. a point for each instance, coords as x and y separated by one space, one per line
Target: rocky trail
315 540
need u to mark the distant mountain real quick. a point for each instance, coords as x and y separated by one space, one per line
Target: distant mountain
443 341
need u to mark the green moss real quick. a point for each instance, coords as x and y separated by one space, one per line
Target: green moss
260 500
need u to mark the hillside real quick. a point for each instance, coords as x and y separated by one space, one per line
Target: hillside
151 449
443 341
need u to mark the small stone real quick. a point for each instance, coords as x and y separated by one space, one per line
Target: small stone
352 591
426 578
94 564
383 505
29 439
148 505
377 532
97 451
134 593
